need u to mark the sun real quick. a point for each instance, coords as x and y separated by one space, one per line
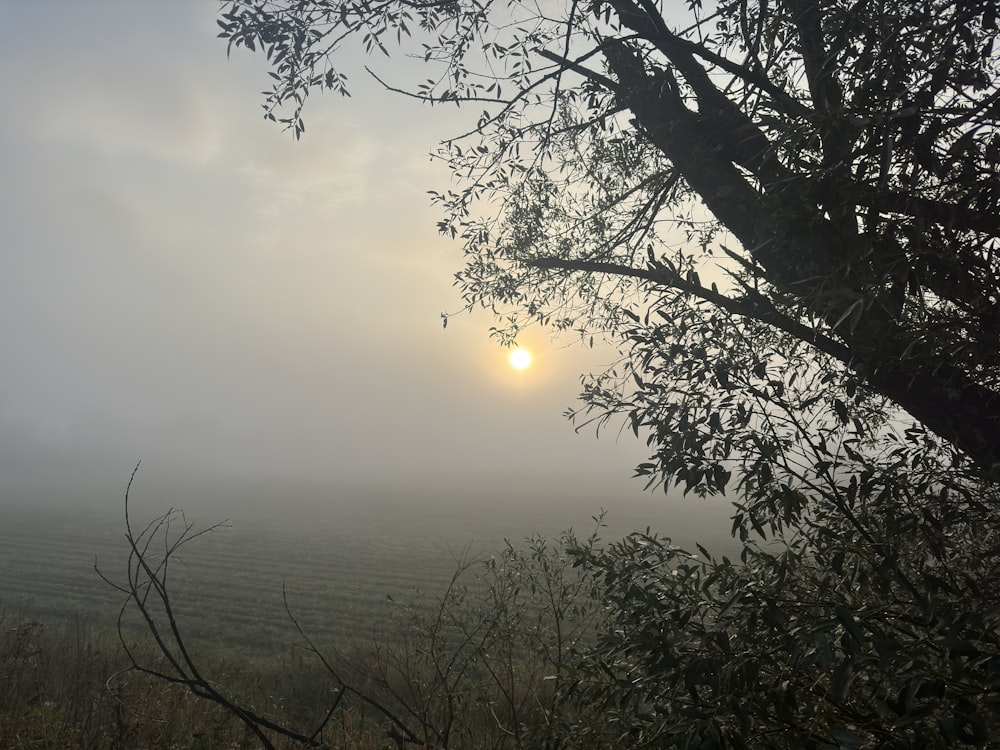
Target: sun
519 359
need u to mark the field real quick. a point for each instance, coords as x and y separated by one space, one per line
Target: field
340 562
345 567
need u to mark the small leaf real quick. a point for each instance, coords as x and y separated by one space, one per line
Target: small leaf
853 310
841 408
849 623
846 739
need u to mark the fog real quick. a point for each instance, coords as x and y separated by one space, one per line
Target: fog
256 319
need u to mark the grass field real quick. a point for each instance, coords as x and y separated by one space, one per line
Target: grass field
66 688
63 684
345 568
339 563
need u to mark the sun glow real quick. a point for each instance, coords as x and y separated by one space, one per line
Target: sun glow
519 359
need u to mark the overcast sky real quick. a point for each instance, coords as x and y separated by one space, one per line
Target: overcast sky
185 284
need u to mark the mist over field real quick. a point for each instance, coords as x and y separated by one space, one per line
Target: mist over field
258 320
339 553
185 283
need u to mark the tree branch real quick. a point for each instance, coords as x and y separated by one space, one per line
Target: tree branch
950 215
756 307
577 68
732 131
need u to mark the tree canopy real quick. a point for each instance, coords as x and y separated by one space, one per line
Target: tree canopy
828 168
786 215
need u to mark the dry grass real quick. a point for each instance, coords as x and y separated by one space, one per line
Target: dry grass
486 664
65 688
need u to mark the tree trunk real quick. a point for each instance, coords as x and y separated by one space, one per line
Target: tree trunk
805 255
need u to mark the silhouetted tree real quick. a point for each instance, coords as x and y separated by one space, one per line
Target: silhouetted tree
832 165
787 216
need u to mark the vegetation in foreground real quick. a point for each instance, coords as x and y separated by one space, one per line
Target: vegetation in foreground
810 639
556 644
485 663
69 687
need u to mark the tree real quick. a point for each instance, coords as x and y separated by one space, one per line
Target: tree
834 163
786 216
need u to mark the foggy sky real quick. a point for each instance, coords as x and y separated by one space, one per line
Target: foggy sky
185 284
